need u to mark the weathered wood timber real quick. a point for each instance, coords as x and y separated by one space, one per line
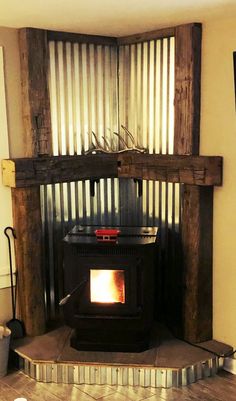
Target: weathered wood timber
35 94
26 202
187 88
197 170
142 37
81 38
197 201
49 170
197 229
27 224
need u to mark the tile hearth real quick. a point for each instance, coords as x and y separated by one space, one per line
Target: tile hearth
168 363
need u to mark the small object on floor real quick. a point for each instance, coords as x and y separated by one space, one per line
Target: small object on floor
4 349
4 331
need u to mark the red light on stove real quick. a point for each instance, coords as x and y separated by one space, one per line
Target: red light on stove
107 235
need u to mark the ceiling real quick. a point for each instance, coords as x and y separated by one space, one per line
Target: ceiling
110 17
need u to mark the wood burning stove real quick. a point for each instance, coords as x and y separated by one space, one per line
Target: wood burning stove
110 287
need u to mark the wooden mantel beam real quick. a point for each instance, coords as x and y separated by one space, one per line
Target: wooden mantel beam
196 170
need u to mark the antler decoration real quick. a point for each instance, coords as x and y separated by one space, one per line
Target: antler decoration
97 147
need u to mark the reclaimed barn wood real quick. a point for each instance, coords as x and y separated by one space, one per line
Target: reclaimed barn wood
198 170
187 88
35 94
36 171
27 224
81 38
146 36
26 202
197 237
197 202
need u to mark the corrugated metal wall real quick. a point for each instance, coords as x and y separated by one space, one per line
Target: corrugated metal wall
98 88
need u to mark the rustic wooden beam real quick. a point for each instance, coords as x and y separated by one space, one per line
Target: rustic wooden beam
197 201
197 236
145 36
35 94
27 224
110 40
197 170
81 38
26 201
187 88
29 172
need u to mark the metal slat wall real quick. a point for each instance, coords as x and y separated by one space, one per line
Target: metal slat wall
96 88
146 108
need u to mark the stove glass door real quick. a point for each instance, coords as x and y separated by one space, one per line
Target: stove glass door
107 286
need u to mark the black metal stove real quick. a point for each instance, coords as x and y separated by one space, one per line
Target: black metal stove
110 287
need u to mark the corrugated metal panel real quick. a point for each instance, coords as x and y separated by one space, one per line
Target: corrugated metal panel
98 88
145 377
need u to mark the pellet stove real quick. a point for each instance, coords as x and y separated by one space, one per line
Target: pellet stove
109 281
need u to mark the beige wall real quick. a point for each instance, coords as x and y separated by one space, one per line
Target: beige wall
218 137
9 42
5 305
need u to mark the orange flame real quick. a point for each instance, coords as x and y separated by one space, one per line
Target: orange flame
107 286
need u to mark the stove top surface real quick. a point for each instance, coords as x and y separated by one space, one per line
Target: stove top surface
127 235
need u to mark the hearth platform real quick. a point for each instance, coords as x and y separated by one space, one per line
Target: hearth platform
168 363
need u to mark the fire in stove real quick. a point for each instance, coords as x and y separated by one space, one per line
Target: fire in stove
107 286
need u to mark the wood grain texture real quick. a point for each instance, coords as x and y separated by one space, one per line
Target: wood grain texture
27 224
197 202
48 170
26 202
146 36
197 170
197 224
35 94
81 38
187 88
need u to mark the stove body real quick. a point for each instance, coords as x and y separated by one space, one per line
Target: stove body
112 287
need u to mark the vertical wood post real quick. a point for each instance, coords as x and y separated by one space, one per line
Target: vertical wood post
26 202
197 202
35 94
187 89
28 247
196 238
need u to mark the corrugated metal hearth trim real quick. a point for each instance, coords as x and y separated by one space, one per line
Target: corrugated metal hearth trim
119 375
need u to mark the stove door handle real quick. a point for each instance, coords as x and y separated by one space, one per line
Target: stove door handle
64 300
